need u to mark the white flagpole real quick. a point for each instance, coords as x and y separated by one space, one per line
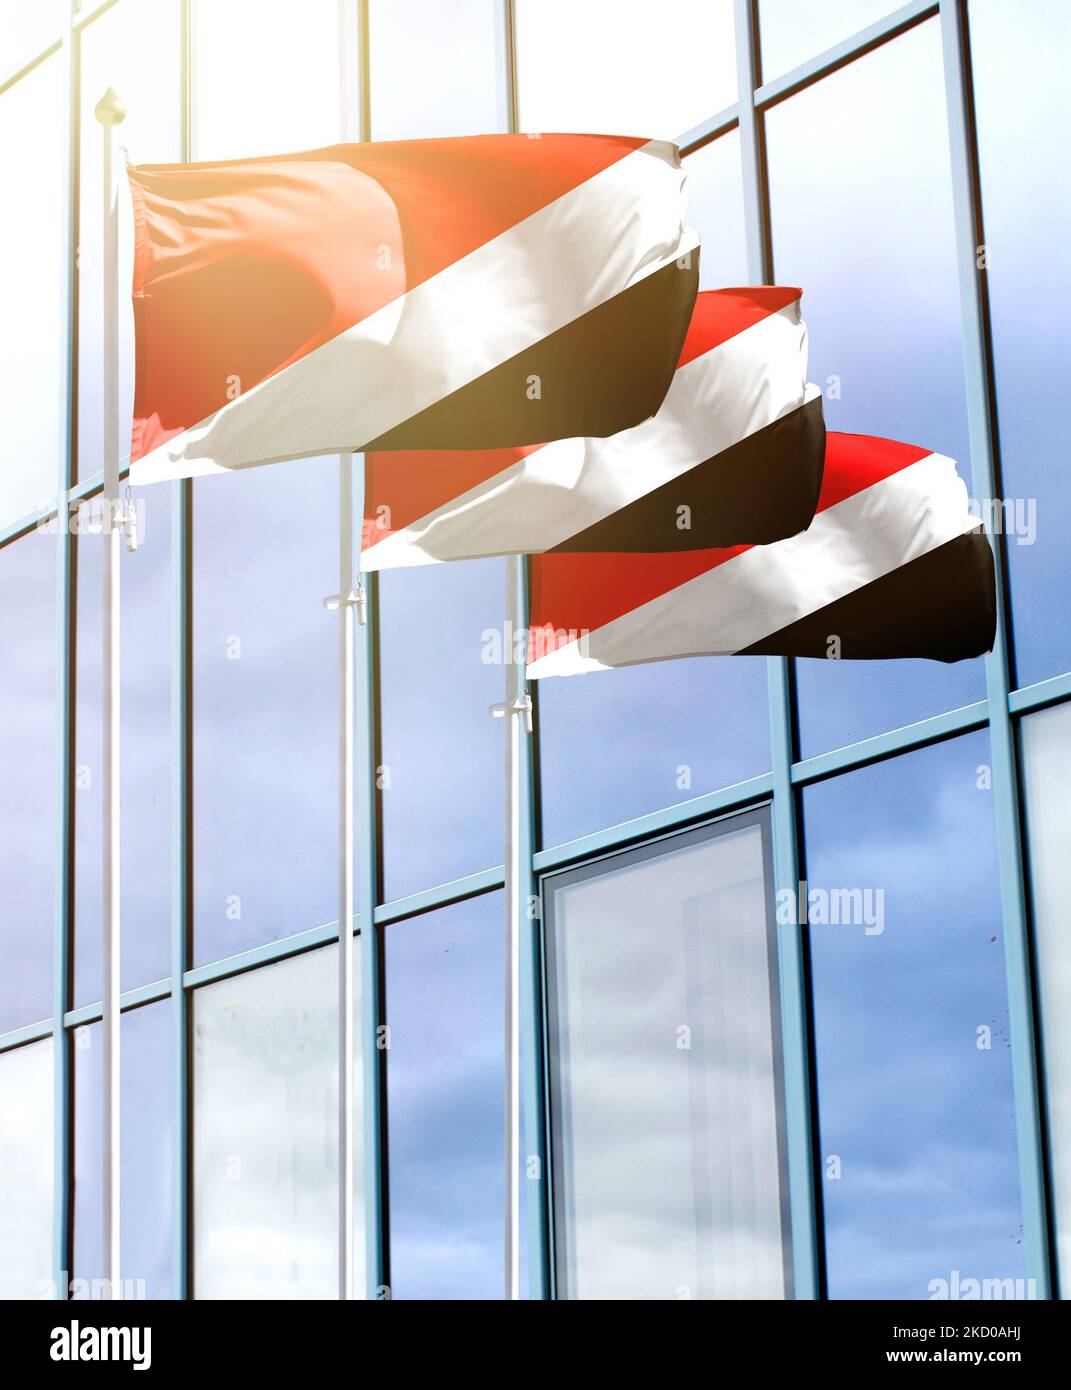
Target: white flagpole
110 112
350 600
346 607
517 711
518 717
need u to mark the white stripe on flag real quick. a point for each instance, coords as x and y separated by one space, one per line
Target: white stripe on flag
715 401
767 587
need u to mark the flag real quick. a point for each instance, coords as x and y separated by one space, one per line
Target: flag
476 292
734 455
893 565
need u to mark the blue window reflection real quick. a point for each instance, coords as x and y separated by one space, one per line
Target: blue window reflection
618 744
445 1077
145 1155
28 810
265 716
145 716
440 776
862 219
918 1157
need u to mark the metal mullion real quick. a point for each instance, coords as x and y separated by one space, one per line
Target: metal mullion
84 17
1033 697
368 741
792 964
62 1200
152 993
15 530
31 63
906 739
181 802
891 26
443 895
709 130
735 797
30 1032
985 474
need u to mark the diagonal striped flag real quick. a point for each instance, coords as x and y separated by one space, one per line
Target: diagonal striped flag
477 292
893 565
733 455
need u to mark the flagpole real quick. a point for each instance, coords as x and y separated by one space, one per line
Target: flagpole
518 720
110 112
346 579
350 602
517 712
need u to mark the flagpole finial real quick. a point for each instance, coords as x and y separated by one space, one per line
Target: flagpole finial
110 110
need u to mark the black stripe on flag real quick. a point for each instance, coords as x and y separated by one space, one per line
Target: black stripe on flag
757 491
941 605
631 337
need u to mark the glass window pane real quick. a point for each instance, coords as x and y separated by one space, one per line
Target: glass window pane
32 251
442 770
434 68
28 810
665 1073
1018 56
616 66
27 30
26 1161
264 81
265 722
445 973
265 1201
716 211
868 233
791 32
917 1130
145 1156
145 714
1047 767
113 52
619 744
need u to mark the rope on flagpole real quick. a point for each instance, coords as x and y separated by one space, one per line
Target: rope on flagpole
110 112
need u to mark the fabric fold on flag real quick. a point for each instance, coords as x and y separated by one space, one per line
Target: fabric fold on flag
734 455
466 293
893 565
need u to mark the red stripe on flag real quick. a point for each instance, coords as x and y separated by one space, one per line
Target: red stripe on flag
402 486
571 594
243 267
721 314
856 461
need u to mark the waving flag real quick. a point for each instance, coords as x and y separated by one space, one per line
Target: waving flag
733 455
468 293
893 565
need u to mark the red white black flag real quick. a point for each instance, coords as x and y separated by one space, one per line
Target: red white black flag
470 293
734 455
893 565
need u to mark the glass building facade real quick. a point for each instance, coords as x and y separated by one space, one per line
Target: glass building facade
796 970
